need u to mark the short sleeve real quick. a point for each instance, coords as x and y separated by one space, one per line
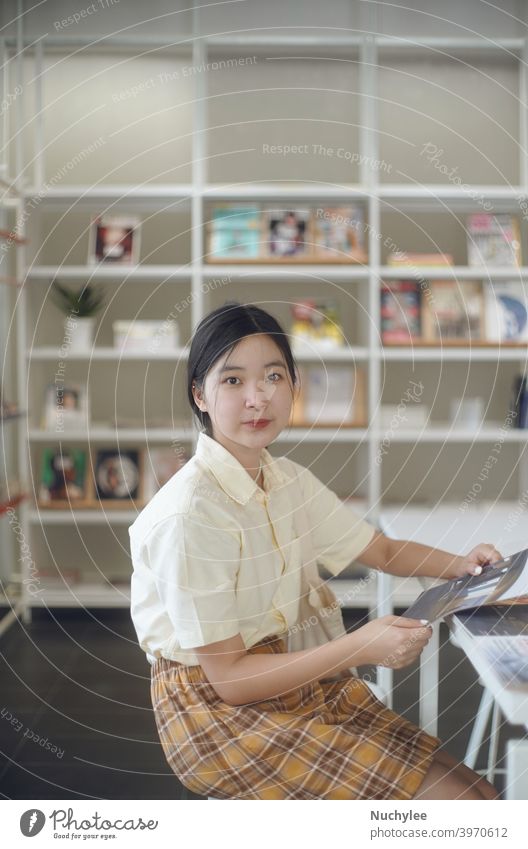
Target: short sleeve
338 534
195 567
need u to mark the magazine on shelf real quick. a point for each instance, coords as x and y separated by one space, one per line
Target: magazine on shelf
235 233
506 308
339 234
401 318
316 326
502 583
493 240
453 311
288 233
330 395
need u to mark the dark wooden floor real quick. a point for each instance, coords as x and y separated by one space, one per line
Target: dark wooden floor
76 720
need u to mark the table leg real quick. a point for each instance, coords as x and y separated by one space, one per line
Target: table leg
516 769
429 660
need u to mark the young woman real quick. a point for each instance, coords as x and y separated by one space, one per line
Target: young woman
216 587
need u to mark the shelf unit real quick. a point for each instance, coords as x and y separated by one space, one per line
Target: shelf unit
11 489
372 57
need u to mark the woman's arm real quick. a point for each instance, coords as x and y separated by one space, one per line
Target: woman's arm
406 558
241 678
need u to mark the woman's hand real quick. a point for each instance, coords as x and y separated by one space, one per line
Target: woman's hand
480 556
393 641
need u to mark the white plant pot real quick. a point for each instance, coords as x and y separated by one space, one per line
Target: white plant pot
79 333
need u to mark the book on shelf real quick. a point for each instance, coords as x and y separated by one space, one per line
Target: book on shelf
288 233
493 240
235 233
265 234
145 336
330 396
506 308
520 401
339 234
502 583
316 326
453 311
400 311
404 259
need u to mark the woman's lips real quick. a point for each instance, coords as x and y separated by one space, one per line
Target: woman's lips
260 423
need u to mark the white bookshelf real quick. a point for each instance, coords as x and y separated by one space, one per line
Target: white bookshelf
11 486
403 198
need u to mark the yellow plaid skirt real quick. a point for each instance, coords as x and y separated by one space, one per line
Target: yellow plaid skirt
327 740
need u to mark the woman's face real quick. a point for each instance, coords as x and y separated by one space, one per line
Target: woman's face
248 395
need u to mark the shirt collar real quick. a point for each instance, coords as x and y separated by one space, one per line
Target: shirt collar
230 473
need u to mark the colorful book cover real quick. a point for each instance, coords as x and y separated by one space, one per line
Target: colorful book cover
235 233
453 310
339 234
493 240
400 311
316 326
506 311
288 233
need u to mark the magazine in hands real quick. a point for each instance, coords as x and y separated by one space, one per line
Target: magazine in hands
502 582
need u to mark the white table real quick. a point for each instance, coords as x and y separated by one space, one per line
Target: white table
459 531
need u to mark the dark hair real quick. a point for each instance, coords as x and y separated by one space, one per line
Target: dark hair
219 333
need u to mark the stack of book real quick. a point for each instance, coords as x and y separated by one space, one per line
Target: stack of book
405 259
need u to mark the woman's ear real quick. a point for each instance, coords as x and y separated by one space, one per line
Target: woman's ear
198 398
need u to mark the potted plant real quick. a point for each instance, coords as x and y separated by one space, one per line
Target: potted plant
79 308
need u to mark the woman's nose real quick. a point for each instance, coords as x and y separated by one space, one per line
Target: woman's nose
259 394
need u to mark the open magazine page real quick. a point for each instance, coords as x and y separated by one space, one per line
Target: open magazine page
502 582
502 636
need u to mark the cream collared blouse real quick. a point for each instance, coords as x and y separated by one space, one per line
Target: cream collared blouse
214 555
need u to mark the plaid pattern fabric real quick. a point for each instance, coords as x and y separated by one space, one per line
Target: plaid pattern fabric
327 740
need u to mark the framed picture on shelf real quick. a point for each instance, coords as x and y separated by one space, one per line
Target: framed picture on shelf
63 478
453 311
160 466
506 308
235 233
118 476
339 234
288 236
114 239
330 396
65 407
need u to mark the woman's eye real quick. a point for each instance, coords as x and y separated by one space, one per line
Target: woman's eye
231 378
276 377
